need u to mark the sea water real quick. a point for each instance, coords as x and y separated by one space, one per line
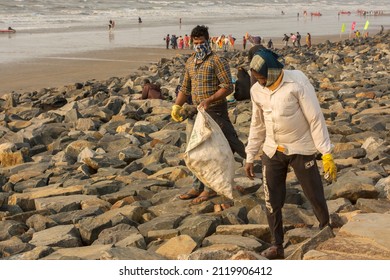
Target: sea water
51 27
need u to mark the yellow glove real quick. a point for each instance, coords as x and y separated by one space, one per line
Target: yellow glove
175 114
330 168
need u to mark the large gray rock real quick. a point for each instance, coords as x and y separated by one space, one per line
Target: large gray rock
91 227
215 252
133 240
325 234
129 253
199 226
171 221
372 226
364 237
65 236
11 228
34 254
13 246
177 247
84 253
243 242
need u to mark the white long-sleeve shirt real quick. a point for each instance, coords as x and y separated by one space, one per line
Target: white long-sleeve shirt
289 116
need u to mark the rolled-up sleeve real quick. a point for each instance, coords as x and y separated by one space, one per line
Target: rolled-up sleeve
222 71
186 84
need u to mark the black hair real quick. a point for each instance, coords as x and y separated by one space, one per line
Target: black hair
199 31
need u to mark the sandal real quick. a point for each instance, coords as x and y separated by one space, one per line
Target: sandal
274 252
204 196
189 195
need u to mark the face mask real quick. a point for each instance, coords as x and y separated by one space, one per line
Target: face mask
202 50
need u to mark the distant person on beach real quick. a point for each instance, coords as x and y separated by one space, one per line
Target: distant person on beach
111 24
11 29
139 20
151 91
290 132
293 38
357 34
208 79
180 42
382 29
167 40
285 40
174 41
270 44
308 40
243 43
298 39
225 44
186 41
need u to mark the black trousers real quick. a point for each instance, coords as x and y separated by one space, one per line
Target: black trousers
274 181
220 115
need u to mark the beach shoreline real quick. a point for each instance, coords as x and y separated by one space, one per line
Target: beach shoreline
70 68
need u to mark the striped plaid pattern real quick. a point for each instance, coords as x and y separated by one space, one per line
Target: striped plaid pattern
265 62
204 79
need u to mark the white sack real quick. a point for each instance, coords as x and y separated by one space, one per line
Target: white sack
208 155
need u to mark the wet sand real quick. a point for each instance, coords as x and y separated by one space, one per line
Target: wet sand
60 70
80 67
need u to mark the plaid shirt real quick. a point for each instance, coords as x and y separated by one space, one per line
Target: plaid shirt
204 79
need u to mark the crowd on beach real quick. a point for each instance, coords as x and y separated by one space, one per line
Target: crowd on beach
222 42
227 42
296 39
370 13
178 42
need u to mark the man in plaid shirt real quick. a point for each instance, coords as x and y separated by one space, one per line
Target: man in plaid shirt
208 80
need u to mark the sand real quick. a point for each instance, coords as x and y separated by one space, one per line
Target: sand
78 67
47 72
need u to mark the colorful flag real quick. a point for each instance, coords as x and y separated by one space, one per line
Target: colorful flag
366 26
353 25
343 28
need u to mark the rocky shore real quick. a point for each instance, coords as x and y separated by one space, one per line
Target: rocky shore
89 171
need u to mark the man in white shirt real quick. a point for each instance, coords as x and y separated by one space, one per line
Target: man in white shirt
287 123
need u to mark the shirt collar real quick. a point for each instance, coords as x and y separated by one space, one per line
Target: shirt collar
287 78
277 82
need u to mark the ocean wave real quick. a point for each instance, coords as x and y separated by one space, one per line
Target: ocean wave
27 14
